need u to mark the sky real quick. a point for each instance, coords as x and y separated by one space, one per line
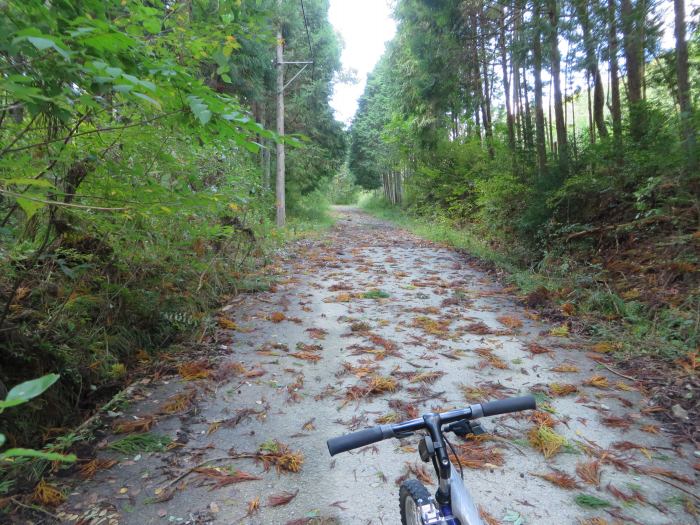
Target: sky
365 27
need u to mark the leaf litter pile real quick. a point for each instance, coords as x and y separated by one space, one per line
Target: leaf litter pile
369 325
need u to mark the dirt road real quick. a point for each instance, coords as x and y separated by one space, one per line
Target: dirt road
369 323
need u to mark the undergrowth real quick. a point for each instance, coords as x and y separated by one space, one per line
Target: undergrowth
635 327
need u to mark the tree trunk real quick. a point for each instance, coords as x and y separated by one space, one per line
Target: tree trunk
555 58
485 97
506 80
615 104
592 67
633 17
548 123
687 128
539 111
473 71
528 114
518 106
591 126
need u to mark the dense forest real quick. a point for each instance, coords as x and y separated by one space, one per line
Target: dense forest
562 136
135 183
556 141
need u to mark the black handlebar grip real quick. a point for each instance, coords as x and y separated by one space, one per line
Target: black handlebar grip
512 404
357 439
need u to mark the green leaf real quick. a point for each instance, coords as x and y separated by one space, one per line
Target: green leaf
253 147
30 453
2 439
199 108
42 43
28 390
152 25
112 42
147 99
39 183
29 206
26 93
122 88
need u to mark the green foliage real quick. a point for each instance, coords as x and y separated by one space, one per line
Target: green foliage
18 395
590 502
342 189
132 193
28 390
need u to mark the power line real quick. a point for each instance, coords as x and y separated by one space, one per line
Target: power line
308 38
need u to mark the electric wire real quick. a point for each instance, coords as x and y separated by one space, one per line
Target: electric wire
308 39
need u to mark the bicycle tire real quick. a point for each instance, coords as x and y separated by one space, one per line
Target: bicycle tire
412 495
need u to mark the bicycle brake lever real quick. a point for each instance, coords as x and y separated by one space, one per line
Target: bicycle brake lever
465 427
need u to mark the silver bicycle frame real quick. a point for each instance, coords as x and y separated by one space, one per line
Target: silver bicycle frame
463 507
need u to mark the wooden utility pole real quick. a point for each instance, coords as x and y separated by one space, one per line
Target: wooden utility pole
279 187
281 86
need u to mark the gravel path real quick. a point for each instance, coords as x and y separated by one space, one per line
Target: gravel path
364 309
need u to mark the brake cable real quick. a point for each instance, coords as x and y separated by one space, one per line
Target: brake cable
461 471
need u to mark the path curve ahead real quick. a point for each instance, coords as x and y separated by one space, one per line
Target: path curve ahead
299 361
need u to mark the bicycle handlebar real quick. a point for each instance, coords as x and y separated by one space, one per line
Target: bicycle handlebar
359 439
371 435
505 406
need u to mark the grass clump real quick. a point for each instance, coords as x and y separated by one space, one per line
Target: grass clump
135 443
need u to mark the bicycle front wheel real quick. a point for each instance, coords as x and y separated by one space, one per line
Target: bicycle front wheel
412 496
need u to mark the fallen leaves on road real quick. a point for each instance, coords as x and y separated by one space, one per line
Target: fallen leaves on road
566 368
143 424
222 476
277 317
372 385
46 494
179 402
560 479
283 498
562 389
537 349
274 453
589 472
89 469
490 359
546 440
597 381
479 328
417 470
194 370
510 321
475 455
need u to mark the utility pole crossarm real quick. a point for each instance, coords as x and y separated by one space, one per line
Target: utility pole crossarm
295 76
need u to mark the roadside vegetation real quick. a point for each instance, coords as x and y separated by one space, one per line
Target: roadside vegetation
587 195
135 188
557 143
